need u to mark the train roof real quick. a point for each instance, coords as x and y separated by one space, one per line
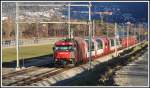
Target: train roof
61 43
64 42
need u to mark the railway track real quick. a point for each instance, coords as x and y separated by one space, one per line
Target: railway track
23 71
40 77
30 75
37 74
15 73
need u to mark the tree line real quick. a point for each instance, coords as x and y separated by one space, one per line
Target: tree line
41 30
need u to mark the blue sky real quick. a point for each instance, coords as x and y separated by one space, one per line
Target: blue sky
122 11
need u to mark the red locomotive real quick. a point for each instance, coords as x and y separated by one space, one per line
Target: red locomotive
75 51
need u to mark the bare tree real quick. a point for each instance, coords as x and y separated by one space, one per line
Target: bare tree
8 27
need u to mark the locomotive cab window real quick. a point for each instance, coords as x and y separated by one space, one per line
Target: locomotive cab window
99 44
64 48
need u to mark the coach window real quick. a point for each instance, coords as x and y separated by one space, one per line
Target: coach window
112 42
92 46
87 41
99 43
117 42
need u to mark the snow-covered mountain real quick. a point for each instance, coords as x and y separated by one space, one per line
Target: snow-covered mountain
31 12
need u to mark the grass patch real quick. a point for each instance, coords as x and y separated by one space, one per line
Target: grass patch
9 54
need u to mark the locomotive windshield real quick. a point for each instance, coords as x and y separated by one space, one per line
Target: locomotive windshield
64 48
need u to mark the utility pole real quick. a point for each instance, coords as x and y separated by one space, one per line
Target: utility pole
139 32
116 39
69 30
93 28
17 38
90 58
37 30
128 24
106 29
134 30
123 30
101 18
